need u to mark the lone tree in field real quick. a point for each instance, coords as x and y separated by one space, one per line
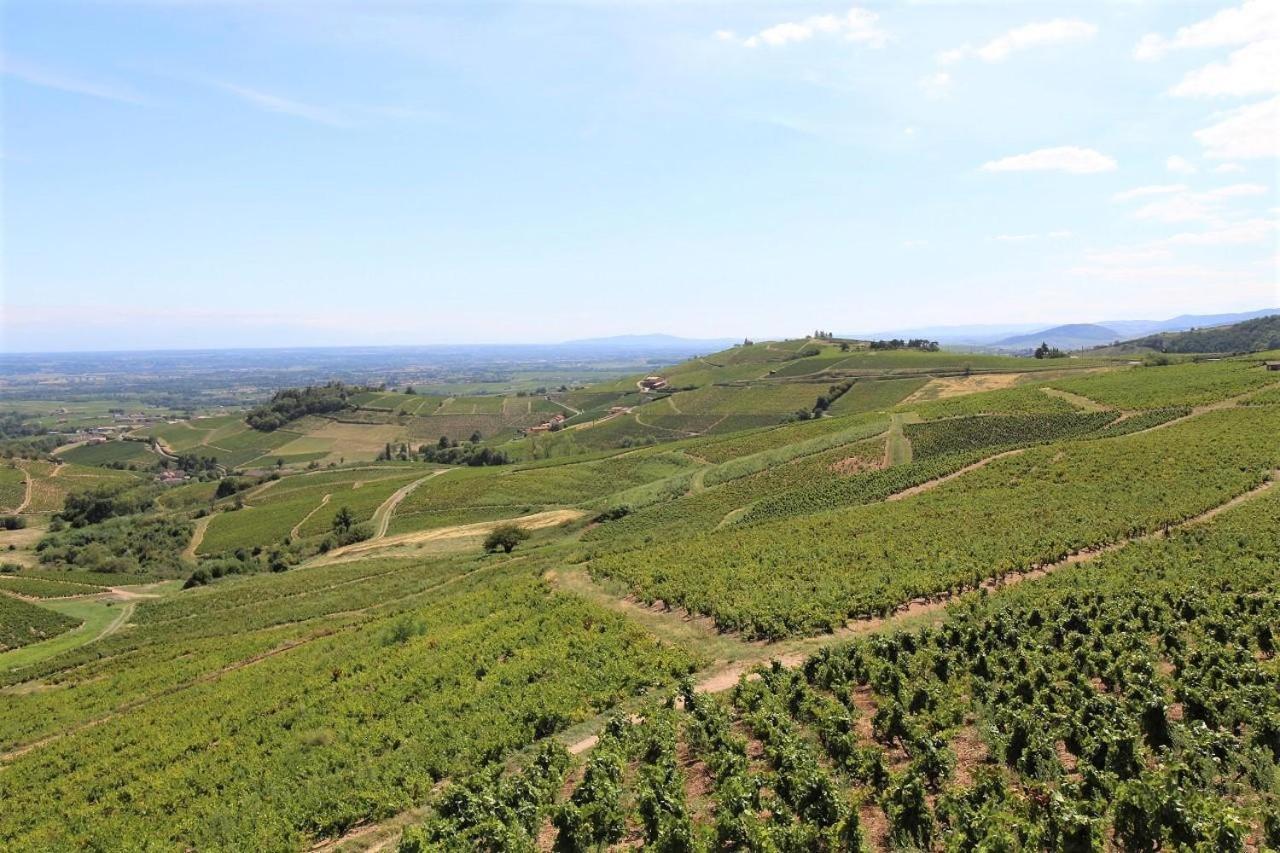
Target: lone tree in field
344 520
506 537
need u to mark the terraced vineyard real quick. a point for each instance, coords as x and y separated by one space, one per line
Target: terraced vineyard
1132 700
802 595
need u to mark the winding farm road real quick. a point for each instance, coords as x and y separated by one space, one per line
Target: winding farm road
382 515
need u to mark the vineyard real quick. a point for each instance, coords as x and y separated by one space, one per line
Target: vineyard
811 574
1133 700
800 596
22 623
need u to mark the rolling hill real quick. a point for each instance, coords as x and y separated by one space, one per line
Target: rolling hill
1254 335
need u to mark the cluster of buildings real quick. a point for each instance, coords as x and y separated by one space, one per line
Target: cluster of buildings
557 420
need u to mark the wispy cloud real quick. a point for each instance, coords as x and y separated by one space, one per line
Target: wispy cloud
1252 21
1026 37
1066 158
61 82
936 84
1252 70
1244 133
858 25
1154 189
1206 206
286 106
1180 165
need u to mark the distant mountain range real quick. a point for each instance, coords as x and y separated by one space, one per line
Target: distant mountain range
1015 337
1071 336
651 342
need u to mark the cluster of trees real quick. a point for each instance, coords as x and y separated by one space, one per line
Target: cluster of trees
23 437
81 509
823 336
346 531
241 562
922 344
293 403
1256 335
193 464
1046 351
824 401
447 452
128 544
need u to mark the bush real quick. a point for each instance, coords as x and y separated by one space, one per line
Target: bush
12 522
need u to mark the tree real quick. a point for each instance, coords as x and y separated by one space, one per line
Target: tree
409 390
344 520
475 437
506 537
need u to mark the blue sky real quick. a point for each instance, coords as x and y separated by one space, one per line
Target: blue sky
190 173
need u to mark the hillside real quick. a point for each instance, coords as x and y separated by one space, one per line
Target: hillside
1255 335
1072 336
792 595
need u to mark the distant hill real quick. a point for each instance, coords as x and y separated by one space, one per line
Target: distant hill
1071 336
1255 335
652 342
995 335
1183 322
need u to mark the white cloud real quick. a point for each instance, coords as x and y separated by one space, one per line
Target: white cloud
1066 158
725 35
54 80
1180 165
1244 133
1196 207
285 106
857 25
1060 234
1225 168
936 84
1252 70
1154 189
1126 256
1242 233
1036 34
1251 21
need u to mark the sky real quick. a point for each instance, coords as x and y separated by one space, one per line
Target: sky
225 173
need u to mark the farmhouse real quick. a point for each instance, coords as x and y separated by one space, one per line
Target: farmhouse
653 383
1273 365
547 426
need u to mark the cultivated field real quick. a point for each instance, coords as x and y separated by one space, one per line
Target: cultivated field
800 597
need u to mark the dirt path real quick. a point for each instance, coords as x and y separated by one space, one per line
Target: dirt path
1082 403
197 536
296 530
897 447
933 484
381 836
382 515
793 653
538 520
29 483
